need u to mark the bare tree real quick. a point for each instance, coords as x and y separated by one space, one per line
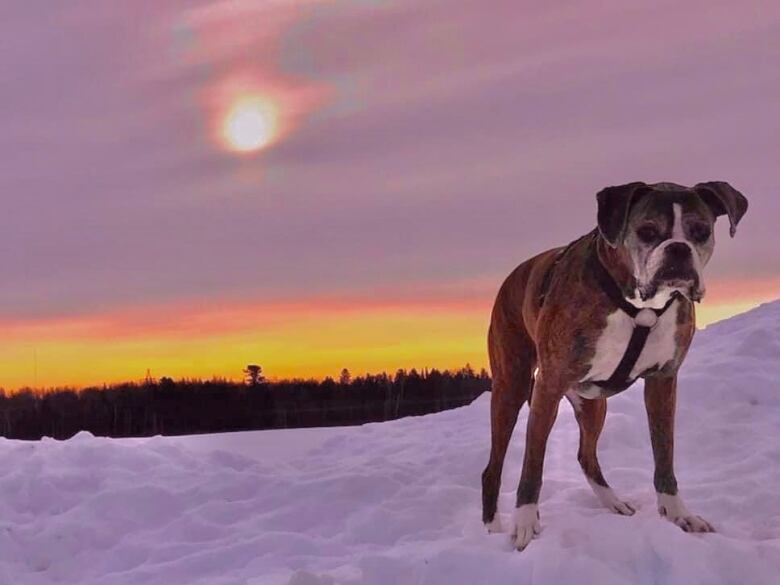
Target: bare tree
254 375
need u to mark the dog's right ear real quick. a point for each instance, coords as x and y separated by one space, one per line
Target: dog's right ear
614 205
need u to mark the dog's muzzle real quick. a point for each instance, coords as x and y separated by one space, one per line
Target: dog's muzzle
677 272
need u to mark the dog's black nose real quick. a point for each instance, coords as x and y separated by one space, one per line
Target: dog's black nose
678 251
678 262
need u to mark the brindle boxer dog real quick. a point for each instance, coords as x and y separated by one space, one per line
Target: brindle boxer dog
587 320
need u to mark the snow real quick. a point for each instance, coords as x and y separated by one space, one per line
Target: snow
399 502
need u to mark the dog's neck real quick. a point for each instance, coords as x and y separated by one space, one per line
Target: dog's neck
616 263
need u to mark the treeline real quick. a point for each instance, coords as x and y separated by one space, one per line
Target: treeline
168 407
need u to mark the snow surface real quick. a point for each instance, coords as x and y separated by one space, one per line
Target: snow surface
399 502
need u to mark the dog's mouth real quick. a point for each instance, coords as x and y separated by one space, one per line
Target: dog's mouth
689 287
675 275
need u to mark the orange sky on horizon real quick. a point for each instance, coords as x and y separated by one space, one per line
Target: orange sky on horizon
315 185
303 338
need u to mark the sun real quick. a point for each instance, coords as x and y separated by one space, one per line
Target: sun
250 123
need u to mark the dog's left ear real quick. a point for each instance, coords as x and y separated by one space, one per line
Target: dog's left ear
723 199
614 205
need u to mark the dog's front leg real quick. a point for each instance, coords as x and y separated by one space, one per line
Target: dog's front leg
660 400
544 409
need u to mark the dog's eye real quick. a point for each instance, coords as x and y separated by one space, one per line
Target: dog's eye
648 233
700 232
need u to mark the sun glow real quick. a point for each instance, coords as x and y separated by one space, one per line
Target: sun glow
250 124
250 111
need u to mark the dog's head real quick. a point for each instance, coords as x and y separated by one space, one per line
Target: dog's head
665 231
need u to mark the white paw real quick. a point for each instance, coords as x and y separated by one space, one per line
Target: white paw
610 501
674 509
495 525
527 525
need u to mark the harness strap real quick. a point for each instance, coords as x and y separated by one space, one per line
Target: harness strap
644 322
620 378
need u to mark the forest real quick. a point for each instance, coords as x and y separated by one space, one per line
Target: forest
182 407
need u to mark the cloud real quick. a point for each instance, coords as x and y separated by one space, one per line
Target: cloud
433 143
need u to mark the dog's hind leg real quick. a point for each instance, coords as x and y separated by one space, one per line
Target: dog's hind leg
590 414
512 361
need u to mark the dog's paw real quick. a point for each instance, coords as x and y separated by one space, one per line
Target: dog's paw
674 509
609 500
693 523
494 526
527 525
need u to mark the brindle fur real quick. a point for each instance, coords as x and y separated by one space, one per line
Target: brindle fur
556 339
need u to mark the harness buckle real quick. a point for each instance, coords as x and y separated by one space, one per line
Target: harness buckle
646 318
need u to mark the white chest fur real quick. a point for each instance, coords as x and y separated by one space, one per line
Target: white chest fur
613 341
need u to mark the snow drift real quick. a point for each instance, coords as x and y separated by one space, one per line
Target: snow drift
399 502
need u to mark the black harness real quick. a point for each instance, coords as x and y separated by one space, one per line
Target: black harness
644 319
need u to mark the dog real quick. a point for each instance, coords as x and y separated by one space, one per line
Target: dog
587 320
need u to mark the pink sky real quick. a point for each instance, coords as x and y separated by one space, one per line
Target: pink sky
426 146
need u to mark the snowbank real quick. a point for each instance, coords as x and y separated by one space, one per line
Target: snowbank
399 503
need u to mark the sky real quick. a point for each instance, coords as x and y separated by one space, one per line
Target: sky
403 157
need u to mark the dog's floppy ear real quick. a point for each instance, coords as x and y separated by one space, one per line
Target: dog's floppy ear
614 205
723 199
